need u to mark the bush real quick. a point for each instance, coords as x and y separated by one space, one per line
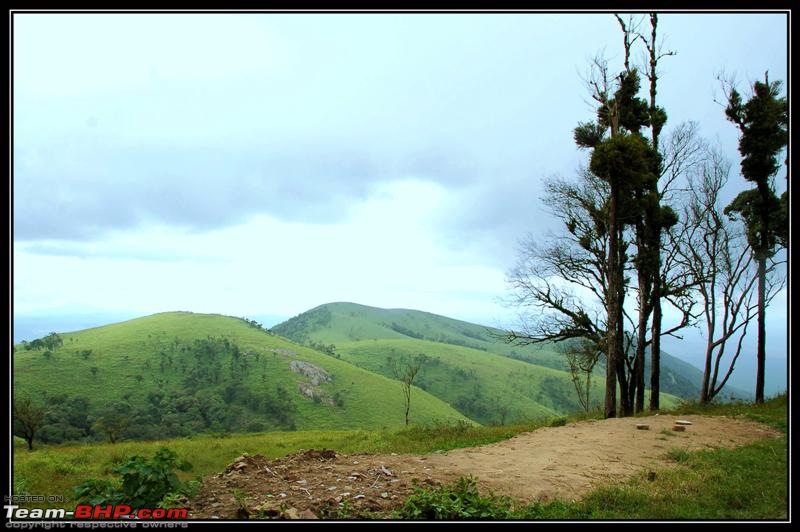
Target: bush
144 483
459 501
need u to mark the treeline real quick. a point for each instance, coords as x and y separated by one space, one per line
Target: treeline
50 342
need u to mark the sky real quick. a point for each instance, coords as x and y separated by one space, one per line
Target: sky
263 164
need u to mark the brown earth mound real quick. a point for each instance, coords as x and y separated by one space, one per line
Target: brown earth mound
554 462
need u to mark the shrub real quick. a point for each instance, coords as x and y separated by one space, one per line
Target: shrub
459 501
144 483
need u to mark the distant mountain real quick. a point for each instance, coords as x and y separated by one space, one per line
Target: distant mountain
743 379
179 373
469 366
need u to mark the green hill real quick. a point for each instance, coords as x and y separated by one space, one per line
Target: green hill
336 323
349 322
467 365
179 373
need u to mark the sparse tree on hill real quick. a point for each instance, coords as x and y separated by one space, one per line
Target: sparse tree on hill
406 371
28 418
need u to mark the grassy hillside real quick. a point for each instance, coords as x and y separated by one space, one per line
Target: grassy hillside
339 323
465 365
486 387
178 373
336 323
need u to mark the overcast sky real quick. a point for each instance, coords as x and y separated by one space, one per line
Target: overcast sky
263 164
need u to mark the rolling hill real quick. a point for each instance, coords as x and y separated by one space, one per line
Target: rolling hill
336 323
179 373
466 365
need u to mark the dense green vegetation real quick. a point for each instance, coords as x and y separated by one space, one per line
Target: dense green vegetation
177 374
485 387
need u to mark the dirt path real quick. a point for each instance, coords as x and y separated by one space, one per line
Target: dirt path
554 462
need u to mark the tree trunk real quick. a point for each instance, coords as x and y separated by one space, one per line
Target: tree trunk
625 381
637 380
625 408
761 353
655 347
705 388
30 443
613 309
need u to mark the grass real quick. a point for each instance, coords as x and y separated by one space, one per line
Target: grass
772 412
748 482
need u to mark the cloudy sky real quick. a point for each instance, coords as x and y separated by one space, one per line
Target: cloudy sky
263 164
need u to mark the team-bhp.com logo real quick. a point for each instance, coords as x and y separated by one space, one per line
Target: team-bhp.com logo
88 511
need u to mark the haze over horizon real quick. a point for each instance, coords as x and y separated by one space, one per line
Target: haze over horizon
260 165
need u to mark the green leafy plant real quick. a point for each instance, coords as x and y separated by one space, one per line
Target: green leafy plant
459 501
144 483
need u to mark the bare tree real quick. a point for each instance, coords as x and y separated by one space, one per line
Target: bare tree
560 286
582 357
405 371
713 250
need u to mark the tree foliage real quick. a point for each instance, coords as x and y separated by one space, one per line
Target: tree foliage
28 418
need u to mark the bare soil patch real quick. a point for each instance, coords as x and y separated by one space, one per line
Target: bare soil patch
554 462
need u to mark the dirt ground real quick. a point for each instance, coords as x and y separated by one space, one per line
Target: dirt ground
555 462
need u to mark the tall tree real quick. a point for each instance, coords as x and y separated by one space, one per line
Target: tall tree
625 160
657 219
619 190
763 125
714 251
